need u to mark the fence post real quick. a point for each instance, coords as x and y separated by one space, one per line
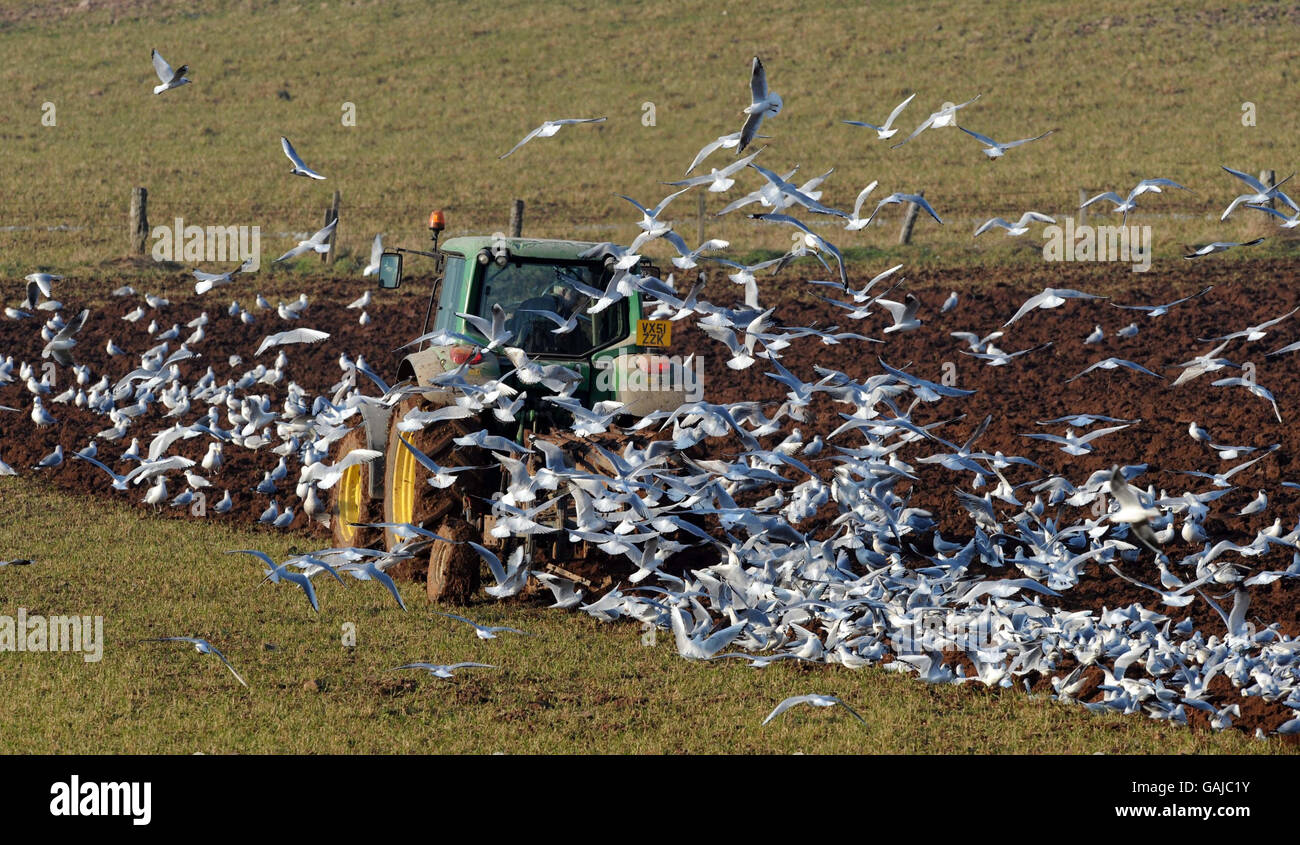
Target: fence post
517 219
1083 212
138 221
905 236
332 214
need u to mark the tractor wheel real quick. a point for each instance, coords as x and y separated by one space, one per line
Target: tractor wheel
453 568
408 497
350 500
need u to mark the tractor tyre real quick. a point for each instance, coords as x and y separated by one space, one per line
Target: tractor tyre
350 501
453 576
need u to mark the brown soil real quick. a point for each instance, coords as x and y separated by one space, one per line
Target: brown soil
1028 389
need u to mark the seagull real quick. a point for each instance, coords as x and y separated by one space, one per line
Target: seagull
1251 333
811 239
1114 363
1287 222
763 103
813 700
945 116
208 281
717 180
904 313
291 336
317 242
1132 511
169 78
722 142
1020 227
298 169
1262 194
1219 246
550 127
856 221
1154 311
360 302
565 325
1050 298
495 331
1128 203
484 632
202 647
376 253
441 671
1254 388
1072 445
43 284
787 190
885 130
898 198
993 149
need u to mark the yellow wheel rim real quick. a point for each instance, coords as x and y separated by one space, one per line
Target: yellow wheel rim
402 495
349 502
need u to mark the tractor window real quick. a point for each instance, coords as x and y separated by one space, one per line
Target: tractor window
452 272
524 288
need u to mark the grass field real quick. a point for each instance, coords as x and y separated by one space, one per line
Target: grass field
440 90
574 686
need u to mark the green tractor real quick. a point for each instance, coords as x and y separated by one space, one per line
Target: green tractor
617 354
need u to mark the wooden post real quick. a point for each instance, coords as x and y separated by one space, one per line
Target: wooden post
1083 212
1268 177
517 219
138 221
331 214
905 236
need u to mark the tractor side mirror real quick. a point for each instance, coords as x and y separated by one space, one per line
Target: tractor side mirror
390 270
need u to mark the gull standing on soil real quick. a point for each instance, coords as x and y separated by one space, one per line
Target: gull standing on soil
169 78
202 647
814 701
885 131
298 169
550 127
763 103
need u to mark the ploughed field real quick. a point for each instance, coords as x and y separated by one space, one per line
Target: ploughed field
863 562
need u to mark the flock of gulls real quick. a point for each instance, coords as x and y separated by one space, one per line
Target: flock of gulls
865 588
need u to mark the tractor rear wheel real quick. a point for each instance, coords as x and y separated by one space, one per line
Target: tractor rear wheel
350 500
408 496
453 568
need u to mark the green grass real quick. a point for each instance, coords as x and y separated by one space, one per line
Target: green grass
1136 90
576 686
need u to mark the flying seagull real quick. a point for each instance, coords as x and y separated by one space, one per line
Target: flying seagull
885 130
291 336
1219 246
763 103
318 242
550 127
376 253
813 700
1050 298
993 149
202 647
169 78
299 169
945 116
440 670
1015 230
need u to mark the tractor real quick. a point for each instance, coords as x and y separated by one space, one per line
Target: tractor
615 351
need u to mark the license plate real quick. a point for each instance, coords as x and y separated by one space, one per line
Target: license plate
654 333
